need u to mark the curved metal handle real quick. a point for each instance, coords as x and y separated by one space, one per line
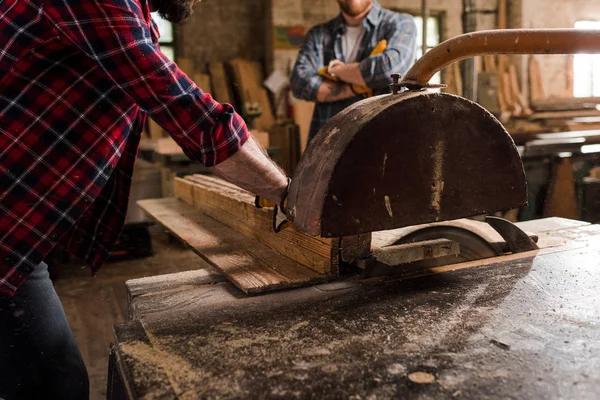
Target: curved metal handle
501 41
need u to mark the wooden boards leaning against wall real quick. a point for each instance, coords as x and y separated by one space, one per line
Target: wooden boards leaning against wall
235 208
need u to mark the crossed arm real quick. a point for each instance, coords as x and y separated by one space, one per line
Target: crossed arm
373 72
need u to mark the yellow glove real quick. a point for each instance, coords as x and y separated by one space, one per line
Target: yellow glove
357 89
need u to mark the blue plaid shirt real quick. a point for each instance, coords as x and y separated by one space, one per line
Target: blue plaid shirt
323 44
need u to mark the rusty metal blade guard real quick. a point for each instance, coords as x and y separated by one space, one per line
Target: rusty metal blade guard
405 159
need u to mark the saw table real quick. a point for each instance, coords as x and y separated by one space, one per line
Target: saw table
396 279
511 327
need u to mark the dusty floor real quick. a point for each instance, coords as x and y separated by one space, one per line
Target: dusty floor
94 305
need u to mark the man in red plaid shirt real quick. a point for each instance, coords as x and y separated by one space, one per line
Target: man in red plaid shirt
77 80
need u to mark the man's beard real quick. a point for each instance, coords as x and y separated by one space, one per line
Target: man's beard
354 8
175 10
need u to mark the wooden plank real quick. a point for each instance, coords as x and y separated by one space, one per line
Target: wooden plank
249 79
536 86
286 137
168 147
187 66
565 114
504 98
183 191
563 104
518 97
454 80
489 62
303 112
570 83
157 283
261 137
250 265
418 251
203 82
502 14
220 83
561 200
509 96
155 130
551 225
235 208
141 291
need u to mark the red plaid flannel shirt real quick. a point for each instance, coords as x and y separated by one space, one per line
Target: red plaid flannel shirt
76 81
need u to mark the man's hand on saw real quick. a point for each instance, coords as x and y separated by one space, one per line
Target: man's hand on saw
251 168
280 218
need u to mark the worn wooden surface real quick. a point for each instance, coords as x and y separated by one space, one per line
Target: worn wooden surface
520 327
235 208
250 265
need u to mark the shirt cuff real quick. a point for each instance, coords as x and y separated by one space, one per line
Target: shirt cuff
224 140
367 70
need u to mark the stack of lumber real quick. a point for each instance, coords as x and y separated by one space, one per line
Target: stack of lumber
510 97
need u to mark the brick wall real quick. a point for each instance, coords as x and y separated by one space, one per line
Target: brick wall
221 30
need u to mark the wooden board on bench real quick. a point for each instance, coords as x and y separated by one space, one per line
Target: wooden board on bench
252 266
235 208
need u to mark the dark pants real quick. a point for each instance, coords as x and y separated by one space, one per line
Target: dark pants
39 358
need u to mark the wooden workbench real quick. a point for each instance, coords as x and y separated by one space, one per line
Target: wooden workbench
516 327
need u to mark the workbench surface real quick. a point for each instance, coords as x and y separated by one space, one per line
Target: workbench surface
519 328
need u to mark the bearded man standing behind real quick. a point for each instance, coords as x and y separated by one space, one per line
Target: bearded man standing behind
352 57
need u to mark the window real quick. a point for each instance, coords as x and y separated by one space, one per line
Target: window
167 37
586 68
433 38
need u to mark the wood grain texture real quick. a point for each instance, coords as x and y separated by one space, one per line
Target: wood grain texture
155 130
186 65
249 79
203 82
168 147
235 208
536 85
561 200
250 265
418 251
220 83
518 96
